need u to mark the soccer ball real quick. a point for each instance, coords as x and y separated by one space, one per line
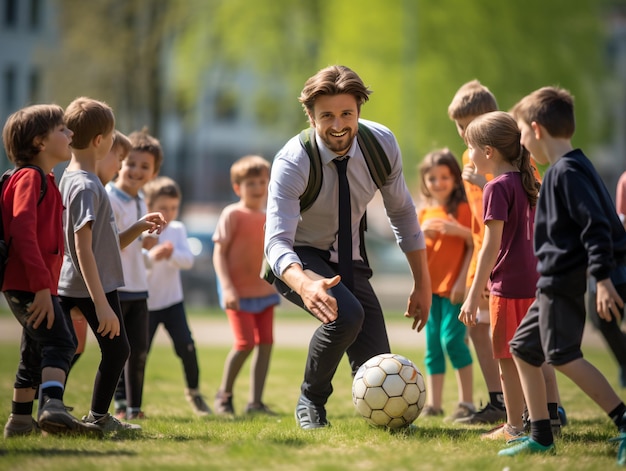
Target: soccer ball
388 390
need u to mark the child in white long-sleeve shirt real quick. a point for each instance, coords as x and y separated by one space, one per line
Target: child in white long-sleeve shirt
166 255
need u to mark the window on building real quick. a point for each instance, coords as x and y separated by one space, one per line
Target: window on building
35 14
34 86
10 13
10 87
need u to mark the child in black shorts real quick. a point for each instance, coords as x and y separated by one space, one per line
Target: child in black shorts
576 231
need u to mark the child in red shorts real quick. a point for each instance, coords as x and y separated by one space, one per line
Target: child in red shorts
247 299
506 259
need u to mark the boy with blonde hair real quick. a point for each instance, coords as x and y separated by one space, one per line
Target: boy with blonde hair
92 268
140 166
577 231
247 299
36 139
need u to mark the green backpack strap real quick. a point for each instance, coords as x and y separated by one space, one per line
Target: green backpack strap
375 157
314 185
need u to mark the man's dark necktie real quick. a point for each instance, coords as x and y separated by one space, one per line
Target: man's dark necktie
344 239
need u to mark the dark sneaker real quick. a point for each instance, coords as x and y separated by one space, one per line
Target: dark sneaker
489 414
55 419
223 404
18 426
109 424
198 404
562 415
259 408
139 415
309 416
462 411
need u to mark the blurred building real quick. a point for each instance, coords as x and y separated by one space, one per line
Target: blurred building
25 25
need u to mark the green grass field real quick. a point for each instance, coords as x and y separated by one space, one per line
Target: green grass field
173 438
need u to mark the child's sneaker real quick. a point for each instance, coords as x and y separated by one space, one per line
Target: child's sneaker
223 404
259 408
199 406
137 415
19 425
504 432
462 411
562 416
489 414
621 450
430 411
55 419
526 445
109 424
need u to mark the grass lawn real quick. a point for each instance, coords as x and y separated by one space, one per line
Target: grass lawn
173 438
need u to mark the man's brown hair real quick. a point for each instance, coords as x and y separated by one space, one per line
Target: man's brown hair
333 80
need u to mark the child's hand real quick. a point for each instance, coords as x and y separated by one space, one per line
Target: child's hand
469 175
449 226
231 299
109 324
162 251
457 295
608 302
41 309
153 222
468 313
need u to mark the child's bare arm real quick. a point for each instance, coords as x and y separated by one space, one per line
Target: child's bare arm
220 263
109 323
151 222
486 261
458 290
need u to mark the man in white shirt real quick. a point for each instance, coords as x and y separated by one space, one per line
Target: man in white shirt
303 247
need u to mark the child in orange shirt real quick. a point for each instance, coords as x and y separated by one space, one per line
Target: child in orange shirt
445 221
247 299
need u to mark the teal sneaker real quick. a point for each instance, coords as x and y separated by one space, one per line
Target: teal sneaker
621 451
526 445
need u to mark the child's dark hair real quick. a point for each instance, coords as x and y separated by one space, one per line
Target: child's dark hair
88 118
161 186
552 108
499 130
24 126
142 141
446 158
248 166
